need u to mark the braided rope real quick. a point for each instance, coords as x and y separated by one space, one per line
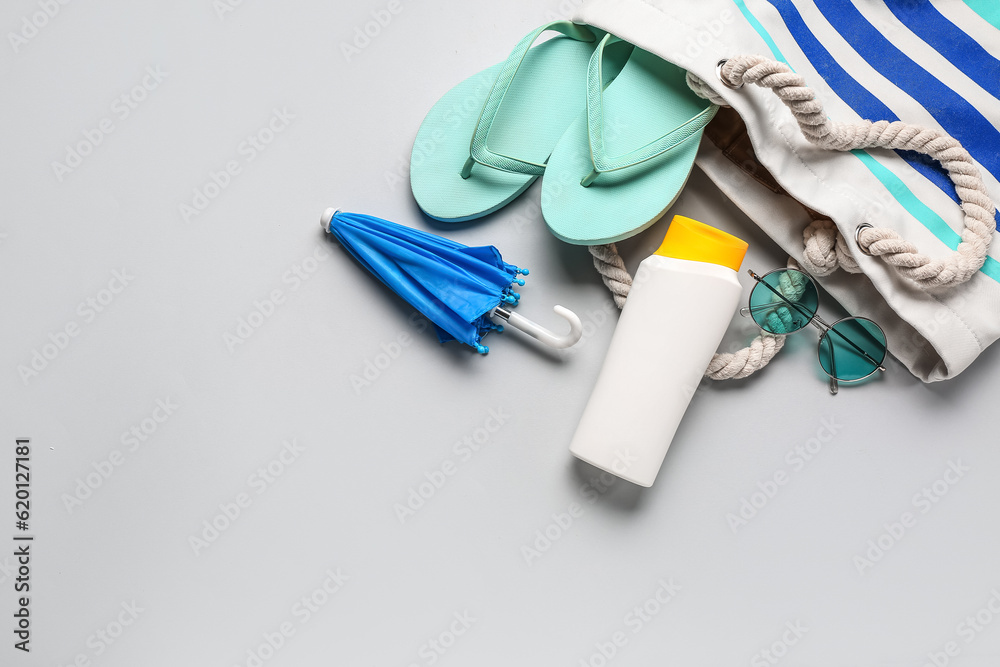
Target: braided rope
610 265
954 269
825 249
745 362
724 365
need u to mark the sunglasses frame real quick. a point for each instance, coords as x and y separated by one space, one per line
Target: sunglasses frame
819 323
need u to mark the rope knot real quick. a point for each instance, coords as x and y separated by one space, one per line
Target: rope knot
820 255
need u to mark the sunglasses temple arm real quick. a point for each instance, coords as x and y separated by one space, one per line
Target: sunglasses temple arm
834 385
819 324
815 321
745 311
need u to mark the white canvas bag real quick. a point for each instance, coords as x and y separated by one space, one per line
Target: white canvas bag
882 62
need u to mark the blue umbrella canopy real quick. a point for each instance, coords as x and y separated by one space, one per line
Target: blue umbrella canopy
456 287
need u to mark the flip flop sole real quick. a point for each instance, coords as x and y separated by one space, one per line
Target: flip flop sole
647 99
544 98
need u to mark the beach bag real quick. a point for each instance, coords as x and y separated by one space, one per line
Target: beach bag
894 217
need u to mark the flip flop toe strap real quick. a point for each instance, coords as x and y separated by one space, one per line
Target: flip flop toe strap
479 152
595 124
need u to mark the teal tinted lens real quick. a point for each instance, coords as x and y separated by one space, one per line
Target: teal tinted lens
784 301
852 349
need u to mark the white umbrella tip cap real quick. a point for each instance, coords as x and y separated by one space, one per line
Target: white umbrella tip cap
326 218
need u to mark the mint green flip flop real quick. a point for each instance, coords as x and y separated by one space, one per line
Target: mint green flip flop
651 122
488 138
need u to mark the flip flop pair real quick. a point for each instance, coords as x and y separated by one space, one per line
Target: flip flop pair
613 128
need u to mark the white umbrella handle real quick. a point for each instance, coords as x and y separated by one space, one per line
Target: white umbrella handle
539 332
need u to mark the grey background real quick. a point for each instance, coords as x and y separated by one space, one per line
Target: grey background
363 448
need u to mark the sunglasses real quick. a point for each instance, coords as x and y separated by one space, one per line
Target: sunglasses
785 300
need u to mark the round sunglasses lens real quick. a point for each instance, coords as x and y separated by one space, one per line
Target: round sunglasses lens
784 301
852 349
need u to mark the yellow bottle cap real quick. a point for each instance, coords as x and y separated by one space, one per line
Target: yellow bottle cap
693 240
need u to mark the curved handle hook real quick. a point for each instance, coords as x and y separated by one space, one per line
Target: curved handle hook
539 332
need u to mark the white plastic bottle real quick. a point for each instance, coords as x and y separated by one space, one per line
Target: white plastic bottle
680 304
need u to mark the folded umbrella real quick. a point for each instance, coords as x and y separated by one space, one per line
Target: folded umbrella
458 288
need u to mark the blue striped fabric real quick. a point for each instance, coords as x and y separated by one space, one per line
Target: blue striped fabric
957 116
947 39
857 96
952 111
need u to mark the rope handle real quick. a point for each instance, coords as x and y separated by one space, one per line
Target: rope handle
724 365
949 271
825 248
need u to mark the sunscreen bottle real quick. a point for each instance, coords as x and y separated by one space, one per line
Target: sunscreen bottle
678 309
